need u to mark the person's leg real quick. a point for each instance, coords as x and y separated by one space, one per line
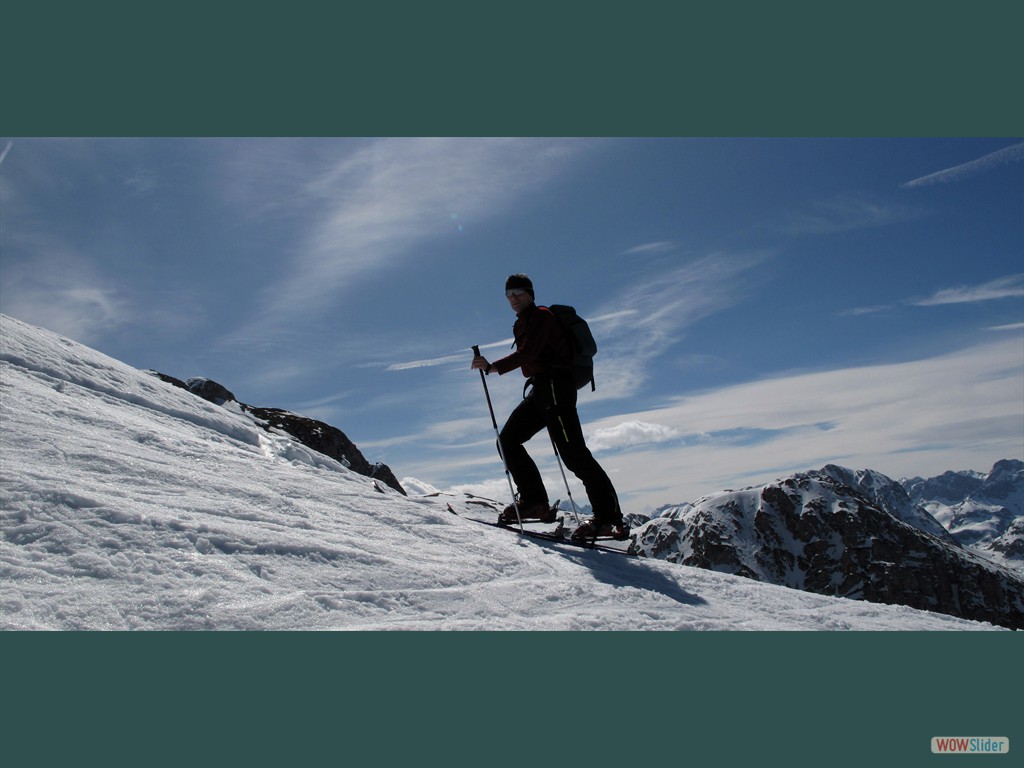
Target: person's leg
522 424
563 423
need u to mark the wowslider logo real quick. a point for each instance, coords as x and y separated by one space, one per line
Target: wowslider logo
970 745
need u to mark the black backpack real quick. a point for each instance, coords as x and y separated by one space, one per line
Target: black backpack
583 345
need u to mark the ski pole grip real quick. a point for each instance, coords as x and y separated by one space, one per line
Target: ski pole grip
476 350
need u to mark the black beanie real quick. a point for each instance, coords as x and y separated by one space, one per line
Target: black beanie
520 281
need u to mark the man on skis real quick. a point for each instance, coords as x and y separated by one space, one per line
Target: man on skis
544 353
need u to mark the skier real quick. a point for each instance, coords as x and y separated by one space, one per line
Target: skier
544 352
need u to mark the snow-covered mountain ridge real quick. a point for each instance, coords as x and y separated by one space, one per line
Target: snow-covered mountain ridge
838 532
984 512
128 503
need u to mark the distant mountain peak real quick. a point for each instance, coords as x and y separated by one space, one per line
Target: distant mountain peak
983 511
836 531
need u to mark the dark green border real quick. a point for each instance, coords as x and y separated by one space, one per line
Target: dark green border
562 67
708 699
530 68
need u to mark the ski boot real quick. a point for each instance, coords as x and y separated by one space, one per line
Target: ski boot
591 530
538 512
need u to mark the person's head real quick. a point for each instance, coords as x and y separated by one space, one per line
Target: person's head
519 291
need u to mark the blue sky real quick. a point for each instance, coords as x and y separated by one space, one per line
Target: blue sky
761 306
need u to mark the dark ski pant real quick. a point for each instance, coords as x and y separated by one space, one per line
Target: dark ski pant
551 404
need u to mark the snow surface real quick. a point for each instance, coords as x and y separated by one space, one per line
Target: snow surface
128 503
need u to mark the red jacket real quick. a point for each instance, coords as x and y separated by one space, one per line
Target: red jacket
541 344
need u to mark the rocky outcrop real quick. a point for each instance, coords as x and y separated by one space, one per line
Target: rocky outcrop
325 439
317 435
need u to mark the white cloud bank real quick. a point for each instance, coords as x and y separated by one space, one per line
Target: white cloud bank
630 433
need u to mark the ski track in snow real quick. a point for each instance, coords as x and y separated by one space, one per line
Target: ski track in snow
127 503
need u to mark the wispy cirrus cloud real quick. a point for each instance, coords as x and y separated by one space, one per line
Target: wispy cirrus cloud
1007 287
1011 154
64 266
868 310
374 208
652 314
61 289
456 357
430 363
846 214
662 246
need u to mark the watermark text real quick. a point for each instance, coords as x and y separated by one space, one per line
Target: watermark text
970 745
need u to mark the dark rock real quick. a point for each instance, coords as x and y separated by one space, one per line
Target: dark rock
325 439
949 487
168 379
317 435
210 390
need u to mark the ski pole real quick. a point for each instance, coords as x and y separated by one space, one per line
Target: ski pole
576 517
501 451
554 399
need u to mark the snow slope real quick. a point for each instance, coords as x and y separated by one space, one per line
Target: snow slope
128 503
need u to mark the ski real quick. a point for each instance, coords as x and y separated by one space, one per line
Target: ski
559 538
552 536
